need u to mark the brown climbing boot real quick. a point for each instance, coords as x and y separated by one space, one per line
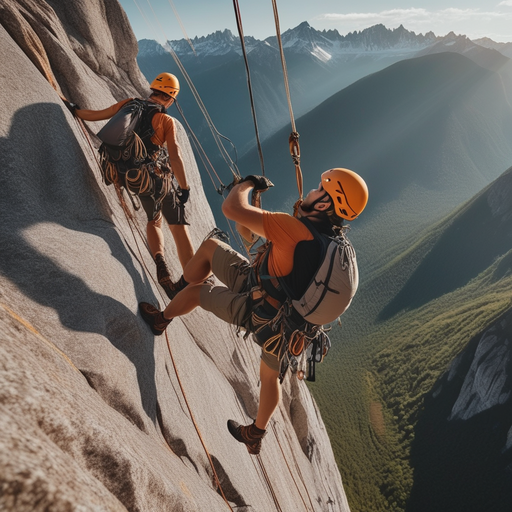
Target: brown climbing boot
163 276
172 289
250 435
154 318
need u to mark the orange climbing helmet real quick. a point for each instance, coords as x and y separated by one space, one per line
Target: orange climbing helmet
347 190
166 82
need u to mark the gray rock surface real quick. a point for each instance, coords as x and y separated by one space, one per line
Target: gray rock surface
486 382
96 412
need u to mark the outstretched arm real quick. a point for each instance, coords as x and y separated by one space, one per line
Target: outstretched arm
99 115
237 207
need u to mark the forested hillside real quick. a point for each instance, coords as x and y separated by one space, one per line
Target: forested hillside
429 334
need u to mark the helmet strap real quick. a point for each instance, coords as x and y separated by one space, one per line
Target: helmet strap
311 208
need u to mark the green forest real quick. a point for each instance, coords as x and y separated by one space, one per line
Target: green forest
372 387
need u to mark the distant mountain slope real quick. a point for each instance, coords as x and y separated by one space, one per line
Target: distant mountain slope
470 242
426 133
443 438
482 55
503 48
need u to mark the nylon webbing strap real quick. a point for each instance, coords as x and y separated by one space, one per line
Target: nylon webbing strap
294 137
295 153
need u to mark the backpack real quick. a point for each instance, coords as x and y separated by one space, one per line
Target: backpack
127 155
333 285
301 321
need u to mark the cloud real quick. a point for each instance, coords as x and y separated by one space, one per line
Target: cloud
413 18
412 14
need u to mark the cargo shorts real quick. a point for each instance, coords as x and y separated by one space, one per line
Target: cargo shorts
173 211
232 302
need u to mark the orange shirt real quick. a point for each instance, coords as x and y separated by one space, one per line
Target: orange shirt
285 232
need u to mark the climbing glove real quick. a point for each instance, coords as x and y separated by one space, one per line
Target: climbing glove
261 183
183 195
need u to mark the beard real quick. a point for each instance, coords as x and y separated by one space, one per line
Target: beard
309 206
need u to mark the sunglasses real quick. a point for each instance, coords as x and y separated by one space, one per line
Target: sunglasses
164 95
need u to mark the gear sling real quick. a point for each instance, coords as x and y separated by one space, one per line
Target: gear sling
290 324
129 158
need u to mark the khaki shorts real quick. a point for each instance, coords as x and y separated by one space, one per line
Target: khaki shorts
231 302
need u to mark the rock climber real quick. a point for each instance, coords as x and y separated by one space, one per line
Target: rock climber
151 176
249 299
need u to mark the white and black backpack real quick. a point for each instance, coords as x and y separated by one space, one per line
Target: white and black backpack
329 293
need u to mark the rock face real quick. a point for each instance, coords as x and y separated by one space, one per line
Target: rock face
97 413
462 453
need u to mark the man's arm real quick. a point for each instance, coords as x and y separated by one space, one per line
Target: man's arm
237 207
100 115
175 158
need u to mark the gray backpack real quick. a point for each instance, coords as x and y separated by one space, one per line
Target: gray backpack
333 285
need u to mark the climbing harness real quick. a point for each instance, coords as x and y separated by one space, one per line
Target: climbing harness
292 329
129 158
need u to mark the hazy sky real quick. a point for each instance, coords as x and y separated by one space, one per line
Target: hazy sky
474 18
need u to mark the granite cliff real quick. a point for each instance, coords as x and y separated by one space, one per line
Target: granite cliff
97 413
464 430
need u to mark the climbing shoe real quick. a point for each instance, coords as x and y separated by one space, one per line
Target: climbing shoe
172 289
154 318
250 435
163 276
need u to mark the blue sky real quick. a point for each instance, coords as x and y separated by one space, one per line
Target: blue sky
157 19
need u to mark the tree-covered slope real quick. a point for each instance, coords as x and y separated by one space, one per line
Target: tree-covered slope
378 388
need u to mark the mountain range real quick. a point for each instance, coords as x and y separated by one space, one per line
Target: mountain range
416 391
319 64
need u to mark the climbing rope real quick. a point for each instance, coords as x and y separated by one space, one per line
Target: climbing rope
221 188
132 223
297 467
217 481
182 27
34 331
294 136
249 82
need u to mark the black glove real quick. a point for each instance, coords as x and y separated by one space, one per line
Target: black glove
71 106
260 182
183 195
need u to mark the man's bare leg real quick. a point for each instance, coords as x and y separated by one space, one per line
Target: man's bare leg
198 269
183 243
155 236
270 395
